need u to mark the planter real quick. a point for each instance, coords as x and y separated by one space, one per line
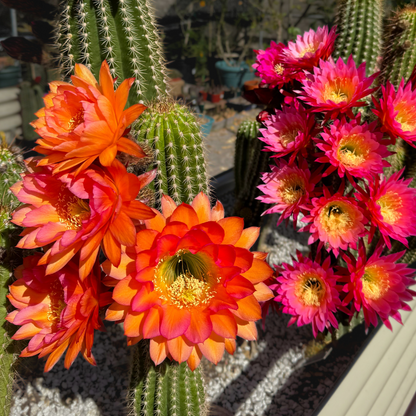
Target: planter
203 95
206 125
252 84
234 76
216 98
10 76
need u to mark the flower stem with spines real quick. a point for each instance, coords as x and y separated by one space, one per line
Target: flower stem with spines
359 27
124 33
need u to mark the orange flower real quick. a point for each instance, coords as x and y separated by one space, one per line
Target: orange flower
56 312
85 120
191 285
78 214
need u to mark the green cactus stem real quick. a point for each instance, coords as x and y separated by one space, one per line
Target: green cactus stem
249 163
399 56
122 32
175 137
359 28
169 389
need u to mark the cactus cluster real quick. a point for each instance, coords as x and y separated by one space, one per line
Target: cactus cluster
168 390
249 163
360 27
176 139
122 32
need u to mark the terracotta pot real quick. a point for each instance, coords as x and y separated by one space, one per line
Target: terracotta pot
252 84
216 98
204 95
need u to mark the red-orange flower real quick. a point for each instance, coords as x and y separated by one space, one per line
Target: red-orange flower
78 214
86 120
57 311
192 285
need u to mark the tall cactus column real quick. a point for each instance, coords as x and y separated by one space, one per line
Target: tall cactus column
359 27
123 33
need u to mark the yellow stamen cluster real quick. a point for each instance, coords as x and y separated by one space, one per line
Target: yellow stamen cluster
72 210
185 280
308 49
278 68
288 136
292 189
352 151
336 217
56 302
310 289
375 282
335 92
406 116
390 205
76 120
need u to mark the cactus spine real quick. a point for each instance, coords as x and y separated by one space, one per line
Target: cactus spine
400 47
122 32
249 163
176 139
168 390
359 27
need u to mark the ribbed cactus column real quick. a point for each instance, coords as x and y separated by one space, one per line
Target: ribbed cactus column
124 33
176 139
400 47
359 27
167 389
249 163
10 168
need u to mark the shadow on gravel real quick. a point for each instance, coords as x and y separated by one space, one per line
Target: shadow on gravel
101 389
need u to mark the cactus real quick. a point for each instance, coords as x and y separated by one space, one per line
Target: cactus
10 168
124 33
359 28
399 56
249 163
176 139
168 390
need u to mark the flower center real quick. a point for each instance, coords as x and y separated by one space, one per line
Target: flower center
185 279
56 302
335 91
352 151
288 136
292 189
406 116
311 289
308 49
390 205
375 282
72 210
336 218
278 68
76 120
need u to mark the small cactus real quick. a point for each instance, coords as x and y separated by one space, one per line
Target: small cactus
399 56
359 27
169 389
122 32
175 137
249 163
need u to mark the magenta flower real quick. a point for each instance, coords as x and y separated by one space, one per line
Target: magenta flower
352 149
288 188
308 49
288 131
337 87
378 285
397 112
391 205
272 68
308 292
337 221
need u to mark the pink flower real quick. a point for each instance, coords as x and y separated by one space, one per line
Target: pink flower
337 87
289 188
353 149
308 49
271 66
397 112
391 204
379 285
288 131
308 292
337 221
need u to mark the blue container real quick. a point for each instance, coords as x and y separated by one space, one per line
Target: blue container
234 76
10 76
207 124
